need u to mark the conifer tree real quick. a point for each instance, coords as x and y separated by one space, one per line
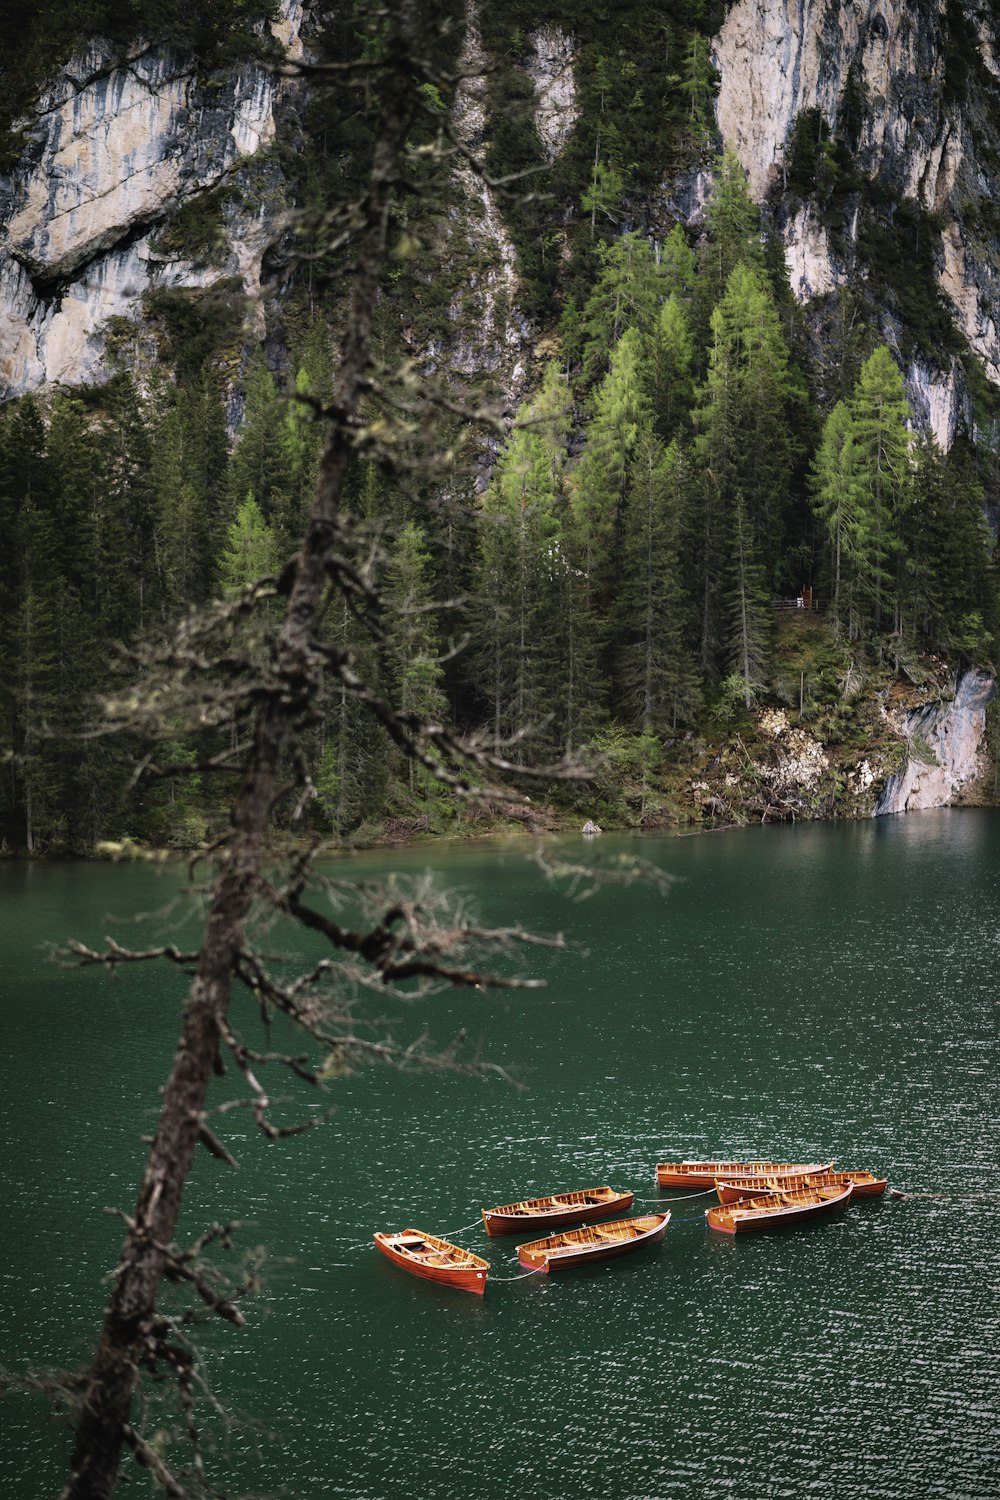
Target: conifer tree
518 528
259 460
678 265
836 500
749 608
881 415
732 221
657 676
190 456
670 368
130 585
621 406
250 552
742 446
948 546
628 293
414 651
353 755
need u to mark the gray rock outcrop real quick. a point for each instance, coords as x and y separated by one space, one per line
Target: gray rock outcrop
945 739
113 146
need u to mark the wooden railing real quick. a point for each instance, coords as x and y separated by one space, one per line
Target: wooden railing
801 602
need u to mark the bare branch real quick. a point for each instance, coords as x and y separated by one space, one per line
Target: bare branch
150 1459
115 955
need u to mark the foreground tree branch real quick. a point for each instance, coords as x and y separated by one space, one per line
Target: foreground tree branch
106 1423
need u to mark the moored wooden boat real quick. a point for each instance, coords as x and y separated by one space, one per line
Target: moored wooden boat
556 1209
592 1242
777 1210
435 1260
702 1174
865 1184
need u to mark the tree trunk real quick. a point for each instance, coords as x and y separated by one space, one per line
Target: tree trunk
129 1327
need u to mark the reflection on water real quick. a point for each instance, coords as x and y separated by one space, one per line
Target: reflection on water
816 991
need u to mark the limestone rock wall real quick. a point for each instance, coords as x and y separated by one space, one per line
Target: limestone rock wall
780 57
113 147
952 731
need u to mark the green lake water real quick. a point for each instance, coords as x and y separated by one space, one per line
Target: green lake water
801 992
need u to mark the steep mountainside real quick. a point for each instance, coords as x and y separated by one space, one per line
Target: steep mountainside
744 224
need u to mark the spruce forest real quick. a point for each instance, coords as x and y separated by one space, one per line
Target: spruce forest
597 573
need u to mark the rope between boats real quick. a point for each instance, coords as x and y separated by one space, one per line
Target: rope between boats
666 1203
945 1197
461 1230
515 1278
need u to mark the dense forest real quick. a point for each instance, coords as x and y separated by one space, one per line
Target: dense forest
601 580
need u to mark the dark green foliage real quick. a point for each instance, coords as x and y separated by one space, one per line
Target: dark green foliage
809 164
898 240
964 68
644 90
197 325
195 229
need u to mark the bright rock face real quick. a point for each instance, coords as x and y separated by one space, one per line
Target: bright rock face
953 733
112 149
477 229
551 72
780 57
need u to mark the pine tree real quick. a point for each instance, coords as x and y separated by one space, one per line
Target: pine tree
621 406
836 499
657 676
130 585
259 461
628 293
414 666
670 365
881 416
250 552
189 470
678 265
518 527
742 446
749 608
732 221
949 546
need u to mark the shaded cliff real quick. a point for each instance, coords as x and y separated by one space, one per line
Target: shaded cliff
872 129
115 150
944 740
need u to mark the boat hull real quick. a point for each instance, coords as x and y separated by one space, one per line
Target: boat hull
506 1221
703 1174
563 1252
781 1210
467 1276
864 1184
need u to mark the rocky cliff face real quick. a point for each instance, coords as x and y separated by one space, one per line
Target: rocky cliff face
903 84
113 147
944 740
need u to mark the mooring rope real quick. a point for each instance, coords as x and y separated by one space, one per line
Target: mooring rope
515 1278
461 1230
666 1203
366 1244
945 1197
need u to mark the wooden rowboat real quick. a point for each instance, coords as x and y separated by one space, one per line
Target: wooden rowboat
578 1247
777 1210
435 1260
702 1174
865 1184
556 1209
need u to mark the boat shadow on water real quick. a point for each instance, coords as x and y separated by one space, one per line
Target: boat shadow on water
430 1294
782 1236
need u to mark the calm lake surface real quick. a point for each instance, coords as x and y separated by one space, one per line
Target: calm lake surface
808 992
